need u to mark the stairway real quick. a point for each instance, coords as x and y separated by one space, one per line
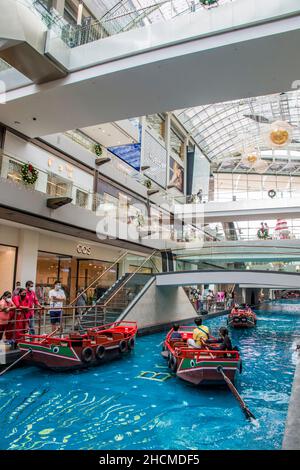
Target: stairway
113 302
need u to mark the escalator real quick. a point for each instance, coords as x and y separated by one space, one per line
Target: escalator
115 300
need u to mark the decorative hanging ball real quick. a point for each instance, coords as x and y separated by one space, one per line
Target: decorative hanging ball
29 174
250 158
280 134
260 166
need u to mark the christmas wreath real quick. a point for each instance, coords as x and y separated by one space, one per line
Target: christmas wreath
208 2
29 173
98 150
263 234
148 183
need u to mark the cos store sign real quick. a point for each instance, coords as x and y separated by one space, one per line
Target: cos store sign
83 249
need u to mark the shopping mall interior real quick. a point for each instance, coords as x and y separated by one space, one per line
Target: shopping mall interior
149 180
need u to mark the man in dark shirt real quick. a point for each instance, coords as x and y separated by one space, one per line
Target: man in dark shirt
175 334
224 342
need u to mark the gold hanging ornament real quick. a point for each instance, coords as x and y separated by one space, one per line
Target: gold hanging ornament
250 158
280 134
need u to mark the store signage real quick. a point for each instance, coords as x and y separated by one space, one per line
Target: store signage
83 249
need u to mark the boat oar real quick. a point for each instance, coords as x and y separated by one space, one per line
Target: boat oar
26 354
14 363
232 388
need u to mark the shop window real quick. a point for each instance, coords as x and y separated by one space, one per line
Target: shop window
82 198
58 187
51 267
7 267
89 271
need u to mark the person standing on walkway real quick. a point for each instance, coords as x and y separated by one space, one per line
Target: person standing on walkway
22 304
57 298
16 289
7 309
32 301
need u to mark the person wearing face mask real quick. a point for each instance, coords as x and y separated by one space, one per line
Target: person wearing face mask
7 309
57 297
21 302
32 302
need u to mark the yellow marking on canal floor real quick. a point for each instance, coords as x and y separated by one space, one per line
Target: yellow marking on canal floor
156 376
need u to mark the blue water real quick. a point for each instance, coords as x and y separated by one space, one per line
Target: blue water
112 407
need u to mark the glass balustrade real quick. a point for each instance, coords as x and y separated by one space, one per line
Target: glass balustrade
123 16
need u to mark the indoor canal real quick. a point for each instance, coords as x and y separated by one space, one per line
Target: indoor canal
136 403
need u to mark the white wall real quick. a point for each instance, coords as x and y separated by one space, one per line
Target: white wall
7 263
46 163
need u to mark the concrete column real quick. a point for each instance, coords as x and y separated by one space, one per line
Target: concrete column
244 295
168 142
59 6
186 144
27 256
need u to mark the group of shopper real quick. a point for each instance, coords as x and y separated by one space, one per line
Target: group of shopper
209 299
18 310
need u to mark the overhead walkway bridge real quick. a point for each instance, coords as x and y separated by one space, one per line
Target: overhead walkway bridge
255 278
206 56
160 299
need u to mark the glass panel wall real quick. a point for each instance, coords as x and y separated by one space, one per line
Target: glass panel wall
51 267
58 187
89 270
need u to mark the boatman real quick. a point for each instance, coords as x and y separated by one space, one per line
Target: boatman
200 335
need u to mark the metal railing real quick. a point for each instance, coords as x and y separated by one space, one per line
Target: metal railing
40 321
237 195
251 232
121 297
121 18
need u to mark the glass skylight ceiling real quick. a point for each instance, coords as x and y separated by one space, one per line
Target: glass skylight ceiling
223 130
127 14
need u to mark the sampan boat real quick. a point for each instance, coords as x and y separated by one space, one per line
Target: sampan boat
77 351
199 366
241 318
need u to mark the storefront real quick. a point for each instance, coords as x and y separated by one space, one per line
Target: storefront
73 273
45 257
8 256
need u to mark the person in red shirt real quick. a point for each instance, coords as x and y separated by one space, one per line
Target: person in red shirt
7 312
21 302
32 302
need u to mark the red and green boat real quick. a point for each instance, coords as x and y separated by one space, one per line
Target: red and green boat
242 317
199 366
75 350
